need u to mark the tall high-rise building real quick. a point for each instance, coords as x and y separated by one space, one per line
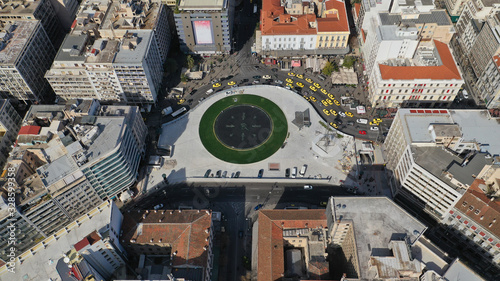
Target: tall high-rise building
25 54
205 27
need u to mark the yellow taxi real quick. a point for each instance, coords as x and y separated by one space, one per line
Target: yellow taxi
331 96
374 123
290 85
291 74
300 84
329 101
377 120
231 83
333 112
325 103
336 102
181 101
324 91
313 88
326 111
317 85
349 114
313 99
216 85
307 98
334 125
300 76
289 80
309 80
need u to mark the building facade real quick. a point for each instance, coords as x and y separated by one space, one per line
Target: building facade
205 27
10 123
489 81
26 54
293 28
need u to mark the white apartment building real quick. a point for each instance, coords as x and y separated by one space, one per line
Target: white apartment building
488 83
25 54
433 155
455 8
105 58
10 123
430 76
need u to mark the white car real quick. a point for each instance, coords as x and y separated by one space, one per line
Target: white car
308 186
294 172
266 77
278 82
373 128
342 114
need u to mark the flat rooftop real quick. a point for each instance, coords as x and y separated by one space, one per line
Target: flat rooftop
476 125
376 221
110 136
20 32
202 4
136 54
42 265
72 48
440 17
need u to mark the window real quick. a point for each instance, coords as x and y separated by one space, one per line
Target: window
464 204
477 212
471 207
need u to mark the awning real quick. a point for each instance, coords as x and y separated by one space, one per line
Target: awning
270 61
296 63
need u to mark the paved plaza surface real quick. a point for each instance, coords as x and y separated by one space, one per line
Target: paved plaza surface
325 157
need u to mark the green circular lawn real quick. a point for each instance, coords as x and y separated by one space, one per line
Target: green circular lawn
279 130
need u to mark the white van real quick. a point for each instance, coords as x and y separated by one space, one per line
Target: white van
210 91
294 172
362 121
303 171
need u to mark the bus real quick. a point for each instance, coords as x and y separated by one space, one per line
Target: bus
179 111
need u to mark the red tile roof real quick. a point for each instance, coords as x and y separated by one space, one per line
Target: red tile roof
357 8
29 130
448 70
2 263
496 59
185 231
270 263
274 20
489 210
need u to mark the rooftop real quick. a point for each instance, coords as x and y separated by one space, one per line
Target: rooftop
15 37
133 48
72 48
202 4
440 17
489 210
436 160
42 265
377 221
186 232
446 71
271 223
459 271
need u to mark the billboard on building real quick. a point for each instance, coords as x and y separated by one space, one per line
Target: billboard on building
203 32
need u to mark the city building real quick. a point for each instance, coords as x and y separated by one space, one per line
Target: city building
295 240
25 54
427 77
70 158
488 83
114 56
433 156
371 238
182 239
54 257
55 16
303 28
205 27
456 270
10 123
455 8
473 221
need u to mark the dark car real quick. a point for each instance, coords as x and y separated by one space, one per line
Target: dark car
350 123
257 207
229 77
287 173
256 66
237 175
192 92
218 174
274 70
261 173
243 81
338 121
207 173
257 77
